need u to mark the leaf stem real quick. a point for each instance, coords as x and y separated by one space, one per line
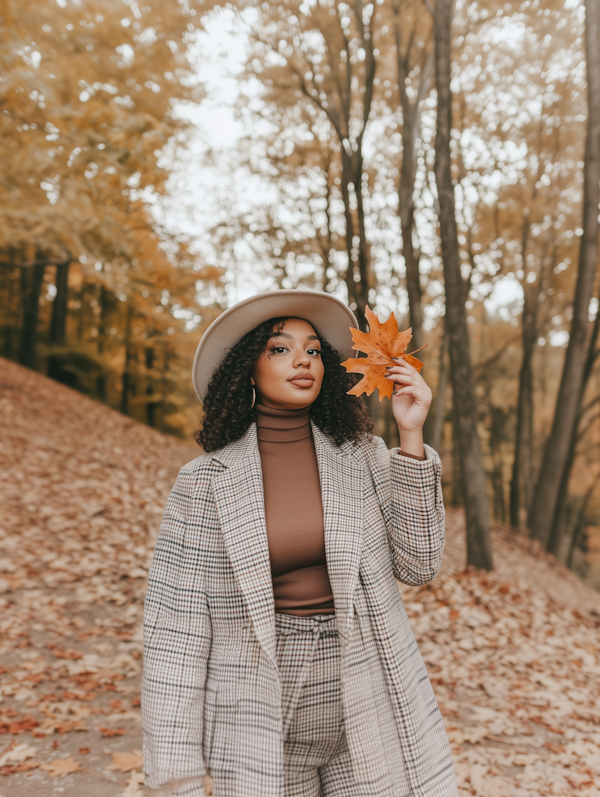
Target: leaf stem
410 353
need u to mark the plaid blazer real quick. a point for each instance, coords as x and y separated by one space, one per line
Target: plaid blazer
211 690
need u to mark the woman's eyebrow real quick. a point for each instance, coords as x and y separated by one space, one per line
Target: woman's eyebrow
287 335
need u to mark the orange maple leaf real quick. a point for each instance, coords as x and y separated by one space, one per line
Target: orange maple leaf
382 343
61 766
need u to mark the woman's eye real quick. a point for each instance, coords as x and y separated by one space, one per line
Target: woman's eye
314 352
278 349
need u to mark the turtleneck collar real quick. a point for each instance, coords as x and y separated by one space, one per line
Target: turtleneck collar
282 426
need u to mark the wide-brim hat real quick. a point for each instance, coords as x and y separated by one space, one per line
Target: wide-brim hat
329 316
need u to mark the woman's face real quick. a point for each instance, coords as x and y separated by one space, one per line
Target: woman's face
289 373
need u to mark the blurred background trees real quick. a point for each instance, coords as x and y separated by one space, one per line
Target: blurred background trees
92 290
129 219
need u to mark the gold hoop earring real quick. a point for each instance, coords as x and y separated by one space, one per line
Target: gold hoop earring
253 398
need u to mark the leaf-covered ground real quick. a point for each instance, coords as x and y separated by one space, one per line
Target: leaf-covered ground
514 656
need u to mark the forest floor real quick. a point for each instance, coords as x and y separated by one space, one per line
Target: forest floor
514 655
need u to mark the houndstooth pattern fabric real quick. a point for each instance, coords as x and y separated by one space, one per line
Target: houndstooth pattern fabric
212 692
316 759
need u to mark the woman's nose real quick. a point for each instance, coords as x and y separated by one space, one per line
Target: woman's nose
302 359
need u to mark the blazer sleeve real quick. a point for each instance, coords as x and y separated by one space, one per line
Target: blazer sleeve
177 639
415 516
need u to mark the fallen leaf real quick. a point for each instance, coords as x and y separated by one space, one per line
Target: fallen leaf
67 654
79 695
555 748
10 770
16 754
26 724
127 761
133 786
381 344
111 731
61 766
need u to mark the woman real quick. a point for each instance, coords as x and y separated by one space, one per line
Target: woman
278 655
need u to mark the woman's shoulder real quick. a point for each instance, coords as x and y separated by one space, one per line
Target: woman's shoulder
370 450
196 465
371 444
194 471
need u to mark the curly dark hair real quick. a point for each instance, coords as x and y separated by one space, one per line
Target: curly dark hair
227 413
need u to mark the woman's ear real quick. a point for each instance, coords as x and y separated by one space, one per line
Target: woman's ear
252 382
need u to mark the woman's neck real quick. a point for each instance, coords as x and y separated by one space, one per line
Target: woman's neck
282 426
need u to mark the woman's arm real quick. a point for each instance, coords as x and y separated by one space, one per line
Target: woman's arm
177 639
416 528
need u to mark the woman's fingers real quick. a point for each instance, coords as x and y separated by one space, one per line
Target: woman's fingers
400 363
411 390
405 369
408 378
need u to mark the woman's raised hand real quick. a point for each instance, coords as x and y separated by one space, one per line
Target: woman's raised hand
410 405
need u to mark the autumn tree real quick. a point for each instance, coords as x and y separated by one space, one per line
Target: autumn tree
87 109
323 57
89 101
569 398
413 55
479 552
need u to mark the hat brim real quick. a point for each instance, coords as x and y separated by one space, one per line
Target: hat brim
329 316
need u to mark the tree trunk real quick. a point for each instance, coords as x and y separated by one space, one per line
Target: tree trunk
10 313
497 421
358 262
411 122
358 273
521 485
559 523
164 376
440 399
32 279
151 406
101 379
567 404
457 489
406 210
58 323
411 262
580 522
479 549
126 379
327 244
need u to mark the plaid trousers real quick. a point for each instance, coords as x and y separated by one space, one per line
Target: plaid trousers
316 759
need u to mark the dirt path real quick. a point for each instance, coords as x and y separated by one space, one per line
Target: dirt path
514 656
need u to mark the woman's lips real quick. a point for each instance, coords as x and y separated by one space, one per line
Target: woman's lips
302 380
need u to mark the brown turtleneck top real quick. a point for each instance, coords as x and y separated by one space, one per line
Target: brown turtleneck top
294 512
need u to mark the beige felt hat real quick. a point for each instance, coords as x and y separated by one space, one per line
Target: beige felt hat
329 316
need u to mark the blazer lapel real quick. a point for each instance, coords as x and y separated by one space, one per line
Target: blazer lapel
342 495
239 498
